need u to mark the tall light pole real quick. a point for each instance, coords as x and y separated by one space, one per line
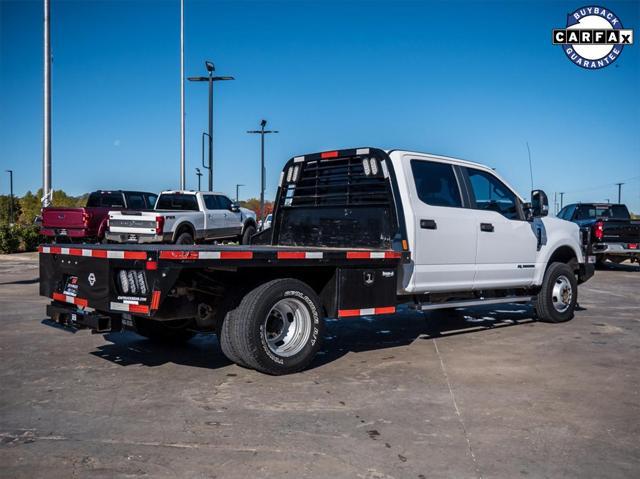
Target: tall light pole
199 175
11 219
182 149
46 150
262 132
210 79
238 192
619 192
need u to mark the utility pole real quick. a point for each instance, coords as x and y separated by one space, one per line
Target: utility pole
237 192
262 132
182 133
11 219
199 175
210 79
561 199
619 192
46 151
555 202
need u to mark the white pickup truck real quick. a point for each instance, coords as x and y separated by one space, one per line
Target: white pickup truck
184 217
355 232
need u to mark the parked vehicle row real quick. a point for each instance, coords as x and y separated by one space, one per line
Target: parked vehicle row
354 232
179 217
184 217
615 236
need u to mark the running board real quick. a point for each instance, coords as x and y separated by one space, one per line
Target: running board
473 302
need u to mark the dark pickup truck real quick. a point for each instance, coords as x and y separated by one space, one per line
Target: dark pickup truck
614 235
89 224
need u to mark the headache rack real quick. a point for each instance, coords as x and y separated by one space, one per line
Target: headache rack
336 199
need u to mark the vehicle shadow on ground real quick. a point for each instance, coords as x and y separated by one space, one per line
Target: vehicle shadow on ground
22 281
405 327
342 336
127 348
609 266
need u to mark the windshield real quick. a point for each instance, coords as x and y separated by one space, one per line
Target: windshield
177 201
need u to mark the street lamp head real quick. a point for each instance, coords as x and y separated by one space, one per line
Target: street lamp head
198 171
209 66
263 123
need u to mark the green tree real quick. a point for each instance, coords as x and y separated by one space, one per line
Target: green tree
5 203
30 206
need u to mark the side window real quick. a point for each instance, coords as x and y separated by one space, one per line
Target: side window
224 202
135 201
93 200
569 213
436 183
490 194
563 212
210 202
151 200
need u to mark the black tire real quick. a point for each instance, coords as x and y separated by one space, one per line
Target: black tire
226 343
600 260
552 304
249 231
184 238
168 332
257 312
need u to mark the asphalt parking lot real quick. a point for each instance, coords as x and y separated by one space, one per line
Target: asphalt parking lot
479 395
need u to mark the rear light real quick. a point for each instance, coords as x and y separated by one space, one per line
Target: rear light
598 230
132 281
632 245
86 217
159 224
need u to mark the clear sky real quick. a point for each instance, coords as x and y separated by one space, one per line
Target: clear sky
473 80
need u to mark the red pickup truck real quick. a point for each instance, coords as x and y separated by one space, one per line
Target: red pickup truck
90 223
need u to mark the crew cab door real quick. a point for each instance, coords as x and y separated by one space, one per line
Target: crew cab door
214 217
507 243
445 232
233 219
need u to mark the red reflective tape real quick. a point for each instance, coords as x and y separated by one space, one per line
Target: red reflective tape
358 254
345 313
135 255
178 255
291 255
152 265
59 297
385 310
75 251
392 254
99 253
236 255
81 302
40 248
55 249
329 154
155 300
138 308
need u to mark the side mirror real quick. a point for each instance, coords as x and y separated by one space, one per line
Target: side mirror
539 204
235 207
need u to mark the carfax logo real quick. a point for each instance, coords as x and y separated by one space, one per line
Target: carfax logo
593 38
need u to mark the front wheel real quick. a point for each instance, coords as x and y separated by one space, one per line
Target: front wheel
278 327
249 231
558 295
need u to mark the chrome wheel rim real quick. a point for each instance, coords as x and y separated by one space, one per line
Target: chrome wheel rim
562 294
287 327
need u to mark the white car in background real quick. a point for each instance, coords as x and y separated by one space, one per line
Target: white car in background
184 217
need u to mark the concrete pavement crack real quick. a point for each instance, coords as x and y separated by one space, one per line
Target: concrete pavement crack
457 409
